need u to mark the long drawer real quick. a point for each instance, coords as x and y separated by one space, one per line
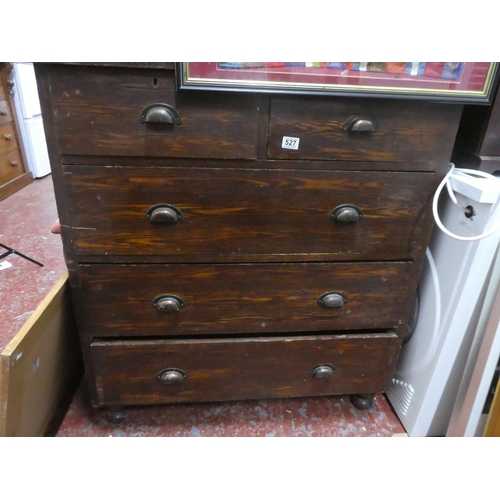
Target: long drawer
5 114
238 212
199 299
360 129
169 371
115 111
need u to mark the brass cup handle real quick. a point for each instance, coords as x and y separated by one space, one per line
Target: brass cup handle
8 137
164 214
14 163
332 300
359 124
172 376
346 213
160 113
168 303
323 371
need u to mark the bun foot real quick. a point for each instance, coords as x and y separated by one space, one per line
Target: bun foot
362 401
116 414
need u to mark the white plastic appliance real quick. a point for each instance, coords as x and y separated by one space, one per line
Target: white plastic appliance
30 119
480 379
452 288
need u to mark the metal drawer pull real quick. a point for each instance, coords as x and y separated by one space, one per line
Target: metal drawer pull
160 113
172 376
8 137
323 371
164 214
332 300
346 213
168 303
359 124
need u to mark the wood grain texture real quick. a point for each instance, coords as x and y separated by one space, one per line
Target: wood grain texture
241 298
97 111
492 428
255 247
234 369
125 64
8 140
11 166
238 212
405 130
5 113
14 185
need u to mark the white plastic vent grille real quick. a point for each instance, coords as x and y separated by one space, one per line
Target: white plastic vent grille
402 393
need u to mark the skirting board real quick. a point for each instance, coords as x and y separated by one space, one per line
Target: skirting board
39 366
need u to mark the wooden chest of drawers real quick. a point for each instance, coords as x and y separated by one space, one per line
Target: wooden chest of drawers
208 263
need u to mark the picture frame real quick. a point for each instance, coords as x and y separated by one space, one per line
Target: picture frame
463 82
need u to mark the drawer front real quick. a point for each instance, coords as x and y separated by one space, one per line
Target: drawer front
246 212
5 114
98 112
10 166
381 130
162 371
7 138
178 299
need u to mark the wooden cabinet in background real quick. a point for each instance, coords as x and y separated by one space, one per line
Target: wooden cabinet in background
14 174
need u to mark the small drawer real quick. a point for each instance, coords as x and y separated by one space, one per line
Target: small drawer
172 371
8 140
5 114
360 130
119 111
199 299
344 215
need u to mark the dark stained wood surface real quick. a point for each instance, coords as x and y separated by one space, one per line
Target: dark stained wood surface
97 111
245 201
241 298
246 212
125 64
478 137
405 130
219 370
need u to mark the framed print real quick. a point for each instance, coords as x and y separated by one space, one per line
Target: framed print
467 82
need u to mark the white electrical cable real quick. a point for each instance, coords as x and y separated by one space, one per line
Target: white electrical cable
446 182
423 362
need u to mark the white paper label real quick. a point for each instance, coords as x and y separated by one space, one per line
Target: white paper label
290 143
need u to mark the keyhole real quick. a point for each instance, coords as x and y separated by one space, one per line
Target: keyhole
155 82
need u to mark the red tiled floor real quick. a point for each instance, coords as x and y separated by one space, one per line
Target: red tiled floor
25 223
333 416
